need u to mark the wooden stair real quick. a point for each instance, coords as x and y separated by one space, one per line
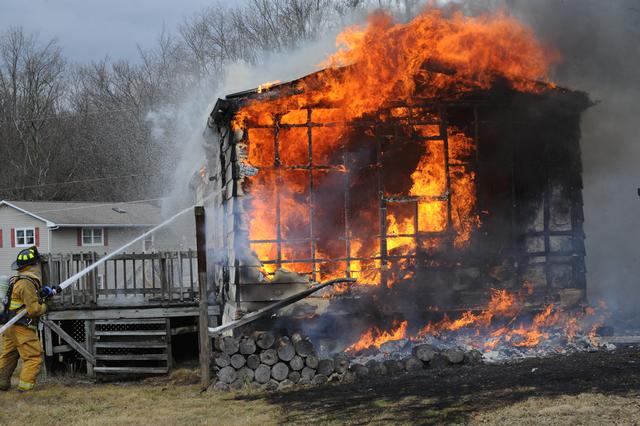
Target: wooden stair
132 346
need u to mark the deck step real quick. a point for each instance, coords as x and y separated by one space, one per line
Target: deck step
183 330
137 321
125 345
132 333
148 338
133 357
131 370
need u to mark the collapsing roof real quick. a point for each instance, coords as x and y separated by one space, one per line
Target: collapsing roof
499 92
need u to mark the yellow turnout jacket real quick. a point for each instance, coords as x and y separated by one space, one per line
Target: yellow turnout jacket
26 293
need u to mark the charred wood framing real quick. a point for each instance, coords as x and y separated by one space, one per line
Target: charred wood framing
526 164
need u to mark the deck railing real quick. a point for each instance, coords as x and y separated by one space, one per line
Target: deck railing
129 279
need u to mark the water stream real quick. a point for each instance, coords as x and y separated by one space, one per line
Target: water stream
66 283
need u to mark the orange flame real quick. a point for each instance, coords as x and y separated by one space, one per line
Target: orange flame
508 306
266 86
483 333
375 337
437 54
390 61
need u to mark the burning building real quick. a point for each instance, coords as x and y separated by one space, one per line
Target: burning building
430 160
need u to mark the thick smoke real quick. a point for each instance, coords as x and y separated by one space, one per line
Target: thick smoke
599 42
192 113
186 122
599 45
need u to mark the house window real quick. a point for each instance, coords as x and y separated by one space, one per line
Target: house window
92 237
25 237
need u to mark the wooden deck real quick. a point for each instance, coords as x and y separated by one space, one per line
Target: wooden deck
127 280
121 317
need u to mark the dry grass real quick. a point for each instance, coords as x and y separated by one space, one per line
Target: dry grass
131 404
156 401
175 399
163 402
582 409
60 403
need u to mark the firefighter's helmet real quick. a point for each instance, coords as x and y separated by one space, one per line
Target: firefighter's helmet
26 257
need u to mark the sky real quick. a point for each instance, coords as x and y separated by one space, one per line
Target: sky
90 30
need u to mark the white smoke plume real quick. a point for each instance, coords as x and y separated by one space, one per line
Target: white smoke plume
600 46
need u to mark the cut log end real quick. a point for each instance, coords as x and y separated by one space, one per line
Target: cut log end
286 351
227 344
311 361
262 373
227 375
325 367
269 357
238 361
304 348
247 346
264 339
296 363
279 371
253 361
221 359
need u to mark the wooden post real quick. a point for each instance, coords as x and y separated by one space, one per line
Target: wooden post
70 340
204 339
89 332
162 264
94 283
168 342
48 341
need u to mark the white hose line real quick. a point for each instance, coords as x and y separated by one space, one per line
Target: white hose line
66 283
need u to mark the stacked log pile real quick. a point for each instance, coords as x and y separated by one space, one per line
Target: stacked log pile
264 361
422 357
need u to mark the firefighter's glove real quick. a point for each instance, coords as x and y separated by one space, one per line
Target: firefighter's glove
49 292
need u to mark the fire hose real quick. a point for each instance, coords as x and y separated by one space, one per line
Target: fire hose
214 331
66 283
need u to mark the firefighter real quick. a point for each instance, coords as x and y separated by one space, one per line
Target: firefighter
21 340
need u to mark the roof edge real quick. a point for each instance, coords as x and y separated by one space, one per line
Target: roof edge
49 223
102 225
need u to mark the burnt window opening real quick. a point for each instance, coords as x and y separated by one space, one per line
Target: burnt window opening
442 200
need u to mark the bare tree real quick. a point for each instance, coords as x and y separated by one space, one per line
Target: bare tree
32 88
89 124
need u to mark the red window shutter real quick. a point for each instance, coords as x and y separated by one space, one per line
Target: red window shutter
79 237
13 237
105 236
1 239
37 236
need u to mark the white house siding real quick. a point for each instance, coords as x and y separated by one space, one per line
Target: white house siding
65 240
181 234
11 219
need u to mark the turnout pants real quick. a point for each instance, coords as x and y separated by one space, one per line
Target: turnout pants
20 342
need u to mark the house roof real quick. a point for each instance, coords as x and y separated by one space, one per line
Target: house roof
103 214
224 108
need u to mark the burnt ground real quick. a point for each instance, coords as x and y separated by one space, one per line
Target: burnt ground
455 394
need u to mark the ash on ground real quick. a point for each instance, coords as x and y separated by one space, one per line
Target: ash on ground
475 348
